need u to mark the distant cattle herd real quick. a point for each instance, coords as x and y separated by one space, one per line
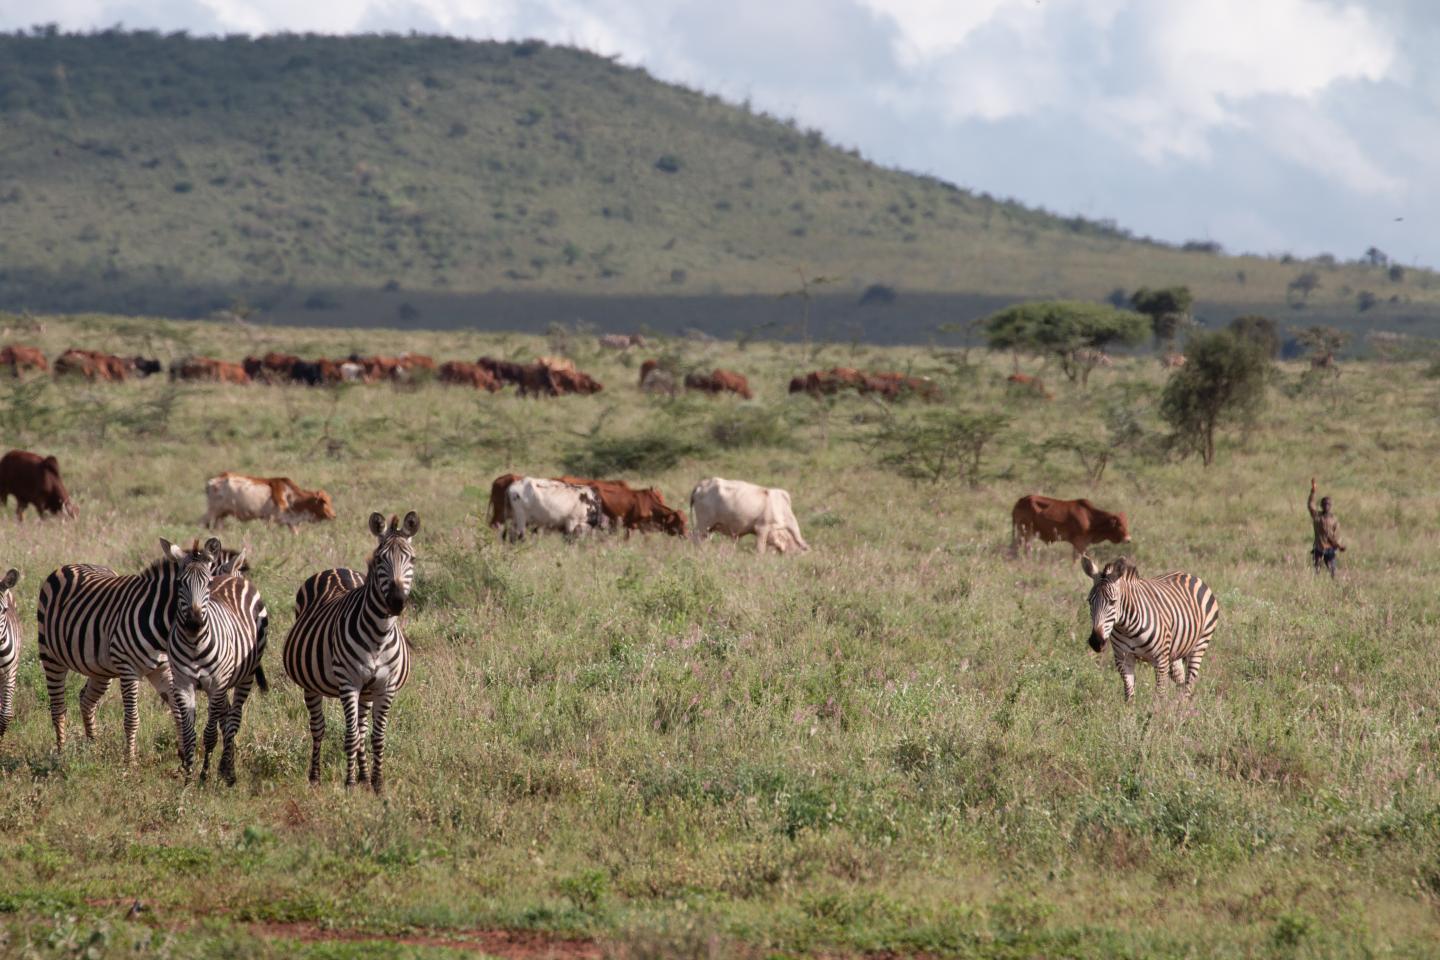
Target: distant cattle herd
204 625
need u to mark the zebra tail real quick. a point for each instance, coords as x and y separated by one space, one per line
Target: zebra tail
260 680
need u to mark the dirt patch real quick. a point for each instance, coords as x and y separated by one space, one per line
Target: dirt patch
519 944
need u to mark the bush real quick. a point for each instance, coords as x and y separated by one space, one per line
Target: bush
1167 308
1223 380
645 453
1074 331
669 163
751 427
1261 331
936 445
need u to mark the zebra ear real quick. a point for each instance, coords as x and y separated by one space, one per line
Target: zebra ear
411 526
233 564
1088 565
377 524
212 547
12 577
171 551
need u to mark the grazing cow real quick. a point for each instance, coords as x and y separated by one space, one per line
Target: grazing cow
736 508
829 382
499 502
659 382
574 381
1029 384
271 368
209 370
143 367
646 368
1172 360
352 372
468 374
1077 522
550 505
503 370
35 481
719 381
892 386
91 365
272 499
624 506
17 358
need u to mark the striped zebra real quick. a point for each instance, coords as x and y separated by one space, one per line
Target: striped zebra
1166 621
347 642
216 643
9 648
106 626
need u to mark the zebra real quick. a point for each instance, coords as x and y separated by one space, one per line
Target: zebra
1166 621
216 643
347 642
9 648
106 626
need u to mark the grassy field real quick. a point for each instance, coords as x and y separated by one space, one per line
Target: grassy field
897 742
178 174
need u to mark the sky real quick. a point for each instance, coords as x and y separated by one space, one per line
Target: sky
1268 126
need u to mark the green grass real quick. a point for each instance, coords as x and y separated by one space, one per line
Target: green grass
319 171
899 741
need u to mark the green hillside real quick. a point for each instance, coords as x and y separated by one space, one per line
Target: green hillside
144 171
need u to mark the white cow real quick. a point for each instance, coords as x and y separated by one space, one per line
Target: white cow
550 505
735 508
273 499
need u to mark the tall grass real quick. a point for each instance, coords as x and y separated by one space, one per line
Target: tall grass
898 741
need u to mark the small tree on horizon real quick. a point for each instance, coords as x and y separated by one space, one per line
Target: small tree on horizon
1073 331
1168 309
1259 330
1222 382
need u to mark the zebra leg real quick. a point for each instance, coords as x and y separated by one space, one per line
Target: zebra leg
1125 663
55 687
130 694
232 727
1177 671
363 724
160 679
182 705
214 714
7 699
90 697
1192 669
381 709
316 705
1163 668
350 707
220 708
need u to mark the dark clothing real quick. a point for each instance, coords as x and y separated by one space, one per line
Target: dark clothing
1327 527
1327 555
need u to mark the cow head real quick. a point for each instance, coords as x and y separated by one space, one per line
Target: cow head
1114 528
392 565
196 569
57 499
316 506
1105 597
671 521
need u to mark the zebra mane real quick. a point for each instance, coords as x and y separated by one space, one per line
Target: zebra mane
1120 567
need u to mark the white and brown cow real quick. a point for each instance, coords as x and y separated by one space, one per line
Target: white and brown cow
540 504
272 499
736 508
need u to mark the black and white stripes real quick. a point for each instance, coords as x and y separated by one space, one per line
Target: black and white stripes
106 626
1166 621
9 648
217 640
347 643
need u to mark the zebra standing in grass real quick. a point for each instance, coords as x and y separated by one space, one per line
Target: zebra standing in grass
217 640
9 648
1166 621
347 643
106 626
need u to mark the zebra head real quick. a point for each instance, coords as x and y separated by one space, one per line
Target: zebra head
192 583
392 565
1106 597
7 600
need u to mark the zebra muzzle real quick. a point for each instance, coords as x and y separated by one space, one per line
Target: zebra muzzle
1097 642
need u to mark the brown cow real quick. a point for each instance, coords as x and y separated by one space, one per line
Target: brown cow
646 369
19 358
92 365
719 381
624 506
1030 384
35 481
273 499
574 381
1077 522
892 386
468 374
503 370
209 370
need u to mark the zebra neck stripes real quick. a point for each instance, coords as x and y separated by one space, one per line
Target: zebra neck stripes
9 649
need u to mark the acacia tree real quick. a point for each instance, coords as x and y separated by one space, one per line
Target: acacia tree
1223 381
1168 309
1259 330
1072 331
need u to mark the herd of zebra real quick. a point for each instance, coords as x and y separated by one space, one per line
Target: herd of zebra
192 622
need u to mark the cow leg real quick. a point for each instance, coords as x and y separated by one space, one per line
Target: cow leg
1125 663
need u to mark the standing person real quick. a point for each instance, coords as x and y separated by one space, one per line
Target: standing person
1327 531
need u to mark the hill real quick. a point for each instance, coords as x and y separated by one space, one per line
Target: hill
348 178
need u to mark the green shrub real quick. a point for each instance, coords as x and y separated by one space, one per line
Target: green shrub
643 453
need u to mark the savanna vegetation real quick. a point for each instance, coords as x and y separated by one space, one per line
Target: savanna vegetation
897 742
385 176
